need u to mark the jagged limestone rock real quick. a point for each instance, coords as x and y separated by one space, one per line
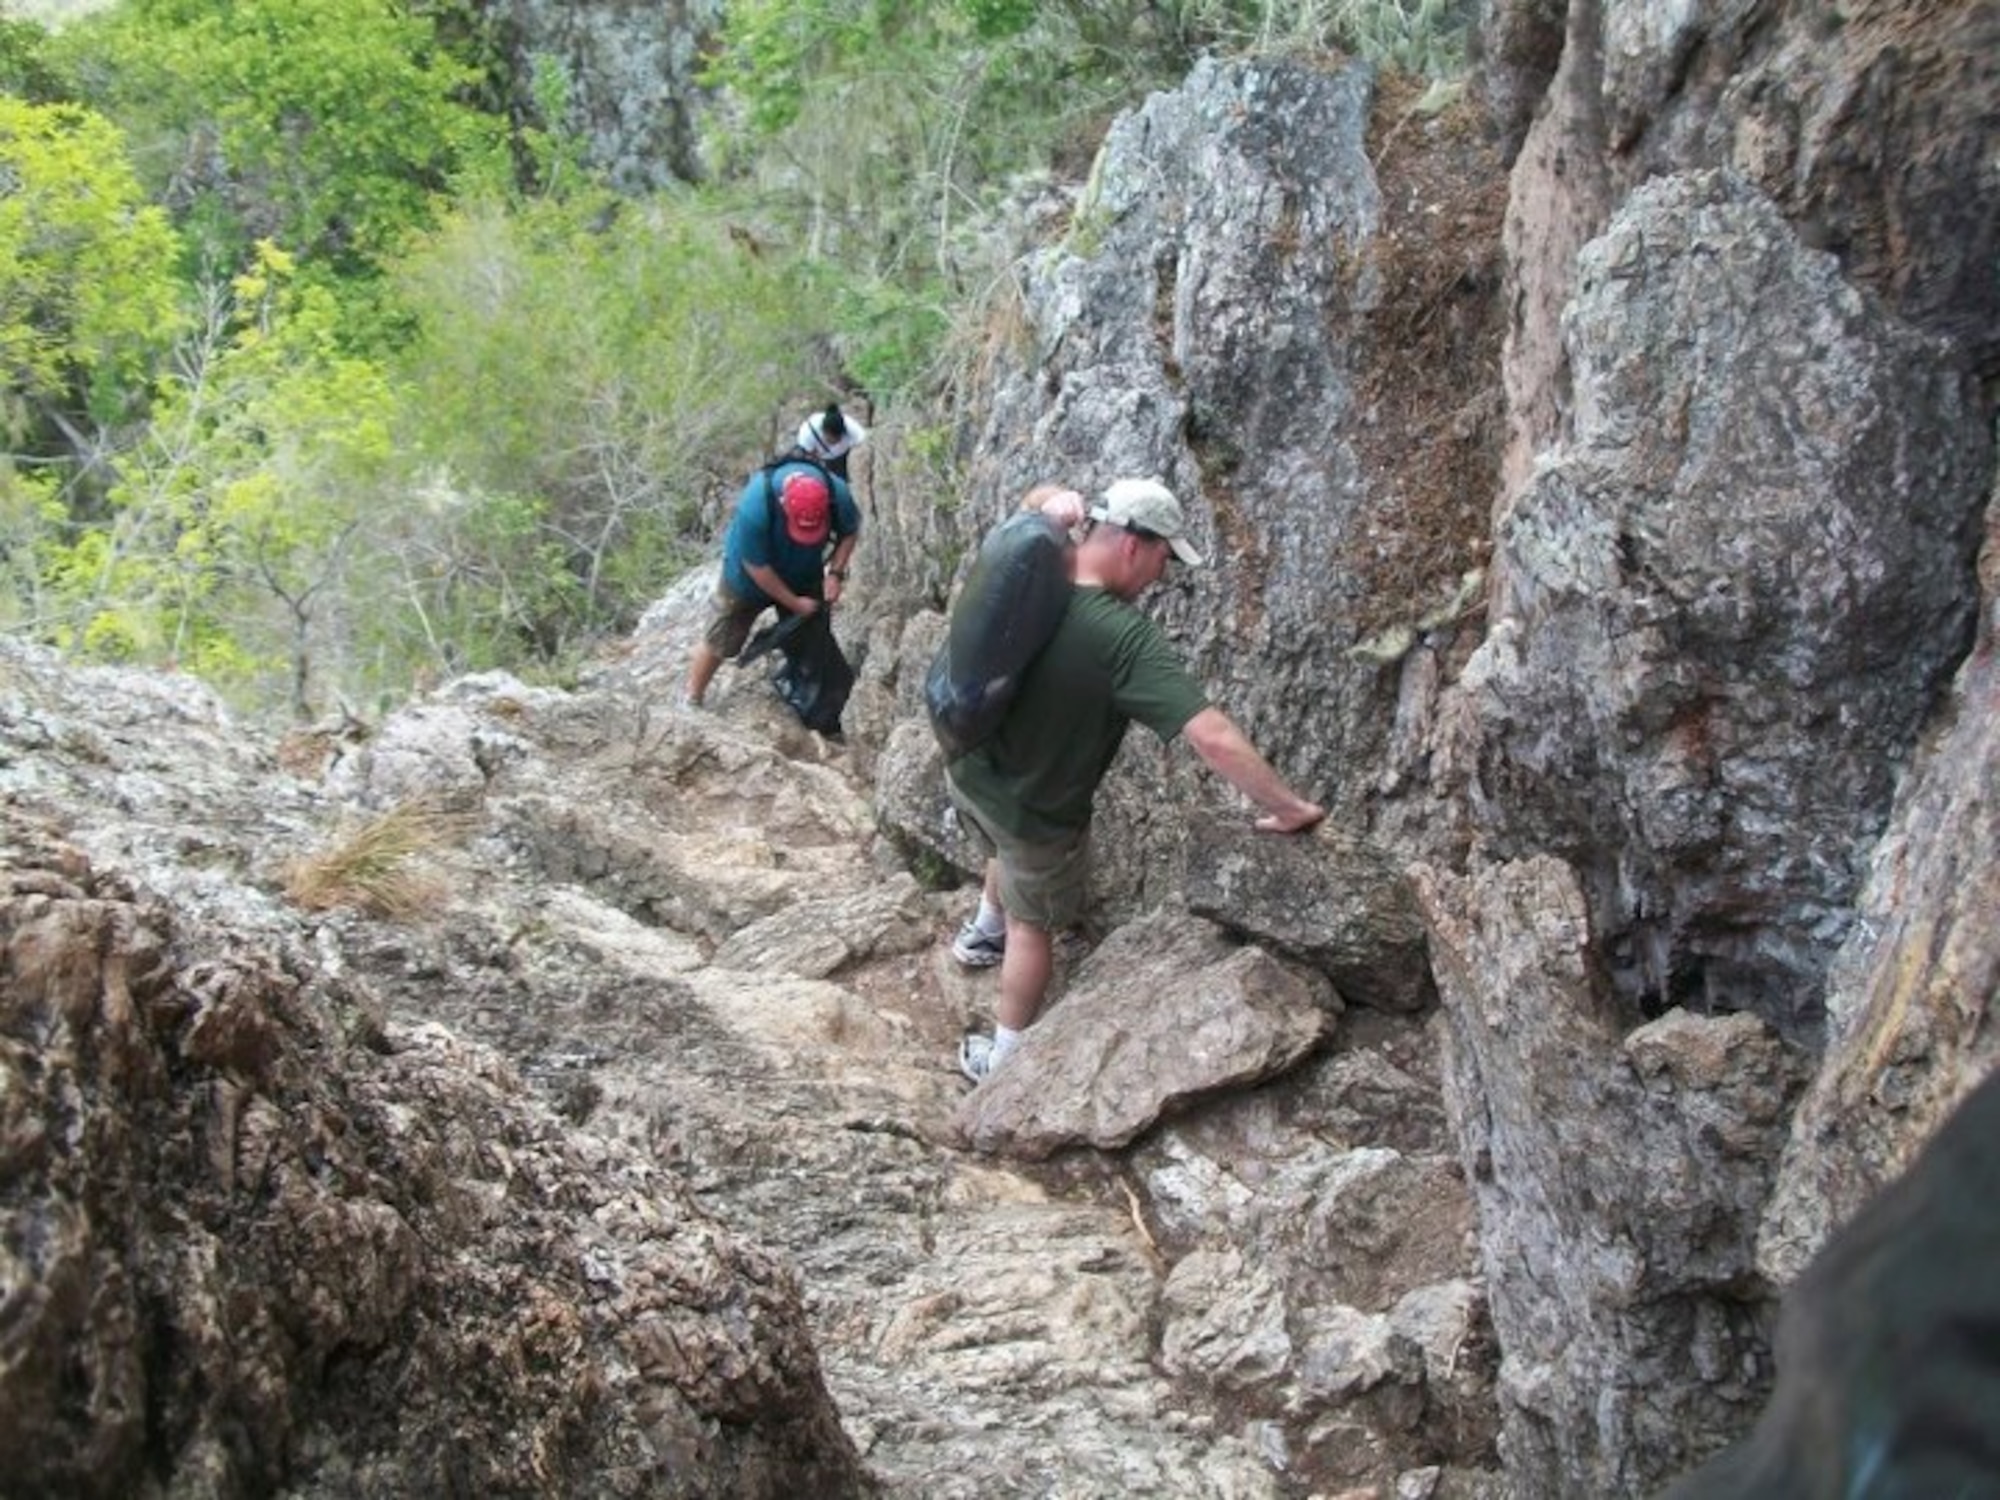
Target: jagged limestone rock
630 75
1618 1178
1911 995
250 1252
1195 326
1164 1011
1869 125
815 938
1725 604
1334 901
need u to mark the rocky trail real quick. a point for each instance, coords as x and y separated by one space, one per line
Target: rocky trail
987 1326
686 939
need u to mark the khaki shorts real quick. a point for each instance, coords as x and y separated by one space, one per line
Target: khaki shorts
729 621
1044 885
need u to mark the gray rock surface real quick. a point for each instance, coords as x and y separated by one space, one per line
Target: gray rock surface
671 1004
1865 123
1165 1011
629 72
1336 902
1724 605
1865 129
1618 1176
1911 995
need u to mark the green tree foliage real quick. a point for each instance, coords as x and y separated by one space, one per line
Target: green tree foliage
327 126
26 70
881 133
1012 68
1426 37
878 135
234 525
584 367
31 517
87 296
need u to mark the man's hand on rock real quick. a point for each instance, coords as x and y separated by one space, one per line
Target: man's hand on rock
1295 820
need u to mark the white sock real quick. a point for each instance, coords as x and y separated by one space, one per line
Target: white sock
991 921
1005 1039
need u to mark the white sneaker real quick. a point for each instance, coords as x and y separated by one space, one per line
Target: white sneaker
975 949
975 1056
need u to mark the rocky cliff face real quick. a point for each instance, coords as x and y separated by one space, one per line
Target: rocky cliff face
629 75
1691 797
1657 134
1236 309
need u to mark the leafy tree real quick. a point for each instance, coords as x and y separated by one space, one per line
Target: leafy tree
26 70
235 523
872 132
329 126
585 363
87 295
31 518
1426 37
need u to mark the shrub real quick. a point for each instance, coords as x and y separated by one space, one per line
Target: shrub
380 866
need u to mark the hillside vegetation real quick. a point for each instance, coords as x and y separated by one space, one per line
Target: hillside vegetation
331 372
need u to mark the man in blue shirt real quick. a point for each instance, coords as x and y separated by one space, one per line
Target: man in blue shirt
775 553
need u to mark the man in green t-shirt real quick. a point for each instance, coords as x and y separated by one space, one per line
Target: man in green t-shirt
1027 791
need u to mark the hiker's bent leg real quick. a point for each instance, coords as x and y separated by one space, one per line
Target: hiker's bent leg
1042 888
729 622
701 672
1024 974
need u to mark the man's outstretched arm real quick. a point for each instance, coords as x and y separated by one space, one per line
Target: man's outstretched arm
1217 740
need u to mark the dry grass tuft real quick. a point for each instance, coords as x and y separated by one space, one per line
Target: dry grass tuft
382 866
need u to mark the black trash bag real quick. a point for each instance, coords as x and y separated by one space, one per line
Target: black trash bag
770 637
1013 600
816 677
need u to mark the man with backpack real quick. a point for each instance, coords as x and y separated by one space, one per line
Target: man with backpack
775 553
830 436
1027 789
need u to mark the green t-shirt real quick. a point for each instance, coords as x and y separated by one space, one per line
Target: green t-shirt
1106 665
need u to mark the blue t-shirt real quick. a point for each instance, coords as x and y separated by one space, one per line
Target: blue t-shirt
757 535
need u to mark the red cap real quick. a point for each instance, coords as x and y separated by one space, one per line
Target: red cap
808 509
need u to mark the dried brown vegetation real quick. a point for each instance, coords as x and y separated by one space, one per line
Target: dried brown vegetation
1429 368
384 866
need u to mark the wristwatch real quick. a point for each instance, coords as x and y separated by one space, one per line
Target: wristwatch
840 573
